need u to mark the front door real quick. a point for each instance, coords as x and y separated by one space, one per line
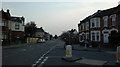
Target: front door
105 36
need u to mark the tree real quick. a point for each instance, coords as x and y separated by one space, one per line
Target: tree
30 29
70 36
114 39
55 36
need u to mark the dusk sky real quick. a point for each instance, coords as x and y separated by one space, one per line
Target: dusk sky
56 17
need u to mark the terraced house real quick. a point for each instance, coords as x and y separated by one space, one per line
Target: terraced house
12 28
98 26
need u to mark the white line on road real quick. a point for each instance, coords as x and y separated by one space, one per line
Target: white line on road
43 61
38 61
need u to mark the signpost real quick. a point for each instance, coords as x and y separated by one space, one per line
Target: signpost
118 54
68 51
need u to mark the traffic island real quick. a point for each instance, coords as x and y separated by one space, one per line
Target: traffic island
71 59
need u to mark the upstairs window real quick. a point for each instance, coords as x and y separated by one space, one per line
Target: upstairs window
92 23
17 26
113 19
79 28
83 27
105 19
87 25
3 23
97 22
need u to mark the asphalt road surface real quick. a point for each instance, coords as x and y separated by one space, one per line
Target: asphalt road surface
50 54
27 55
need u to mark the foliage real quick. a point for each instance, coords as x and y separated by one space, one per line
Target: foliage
114 39
70 37
30 29
55 36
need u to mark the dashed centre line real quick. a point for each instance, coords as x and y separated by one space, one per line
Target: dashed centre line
37 63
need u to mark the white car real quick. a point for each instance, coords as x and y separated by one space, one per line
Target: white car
40 40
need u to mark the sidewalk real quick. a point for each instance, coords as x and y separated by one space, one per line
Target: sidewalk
16 46
82 48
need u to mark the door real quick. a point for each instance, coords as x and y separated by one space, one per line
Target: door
105 36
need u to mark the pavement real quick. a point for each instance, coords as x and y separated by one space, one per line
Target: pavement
16 46
101 49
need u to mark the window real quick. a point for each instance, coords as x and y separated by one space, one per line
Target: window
16 26
92 23
97 22
93 36
105 19
79 28
83 27
87 25
97 36
3 36
2 23
113 19
87 35
82 37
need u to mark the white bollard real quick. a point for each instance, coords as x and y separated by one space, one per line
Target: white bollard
68 51
118 54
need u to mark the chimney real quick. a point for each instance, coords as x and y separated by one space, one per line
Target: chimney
7 10
99 11
41 27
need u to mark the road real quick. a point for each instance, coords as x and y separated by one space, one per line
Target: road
90 58
50 54
27 55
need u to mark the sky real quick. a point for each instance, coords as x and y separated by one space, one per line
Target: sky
56 16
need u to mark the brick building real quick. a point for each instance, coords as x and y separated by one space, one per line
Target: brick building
98 26
12 28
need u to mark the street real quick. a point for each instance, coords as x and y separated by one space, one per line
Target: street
50 53
26 55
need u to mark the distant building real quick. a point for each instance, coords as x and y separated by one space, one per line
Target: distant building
98 27
40 33
47 36
12 28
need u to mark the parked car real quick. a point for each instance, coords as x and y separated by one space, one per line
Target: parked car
40 40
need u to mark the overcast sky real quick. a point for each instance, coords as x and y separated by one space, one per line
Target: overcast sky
56 16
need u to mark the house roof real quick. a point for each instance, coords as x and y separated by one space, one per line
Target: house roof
16 19
7 16
101 13
40 30
114 10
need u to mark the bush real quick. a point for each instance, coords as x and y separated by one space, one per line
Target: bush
114 39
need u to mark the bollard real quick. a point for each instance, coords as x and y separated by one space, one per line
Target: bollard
68 51
118 54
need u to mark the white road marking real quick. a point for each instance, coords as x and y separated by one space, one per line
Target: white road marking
43 57
33 65
37 62
43 61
